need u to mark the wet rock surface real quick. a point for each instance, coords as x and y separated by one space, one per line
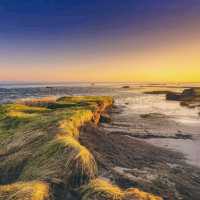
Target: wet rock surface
157 92
126 87
135 163
174 96
151 125
128 160
189 97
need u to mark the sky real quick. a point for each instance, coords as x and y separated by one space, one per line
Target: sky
100 40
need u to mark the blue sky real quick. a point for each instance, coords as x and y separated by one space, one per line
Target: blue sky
77 19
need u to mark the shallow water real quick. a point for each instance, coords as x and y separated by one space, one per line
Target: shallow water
145 104
190 148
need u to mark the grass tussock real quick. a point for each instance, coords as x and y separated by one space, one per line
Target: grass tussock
35 190
99 189
71 125
63 159
134 193
80 164
102 190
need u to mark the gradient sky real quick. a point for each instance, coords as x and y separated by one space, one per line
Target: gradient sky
100 40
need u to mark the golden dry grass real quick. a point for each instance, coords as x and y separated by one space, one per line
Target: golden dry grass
35 190
71 125
81 165
134 193
103 190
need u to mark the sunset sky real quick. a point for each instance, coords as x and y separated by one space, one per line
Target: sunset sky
100 40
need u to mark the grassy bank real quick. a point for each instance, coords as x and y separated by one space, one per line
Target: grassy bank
41 157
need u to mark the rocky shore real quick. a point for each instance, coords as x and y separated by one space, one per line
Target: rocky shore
44 156
189 97
134 163
125 158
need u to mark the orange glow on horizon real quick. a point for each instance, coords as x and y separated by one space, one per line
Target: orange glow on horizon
174 60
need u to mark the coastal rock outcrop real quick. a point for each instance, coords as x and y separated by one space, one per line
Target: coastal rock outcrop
174 96
126 87
189 97
187 94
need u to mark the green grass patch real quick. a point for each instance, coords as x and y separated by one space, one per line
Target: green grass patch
45 136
